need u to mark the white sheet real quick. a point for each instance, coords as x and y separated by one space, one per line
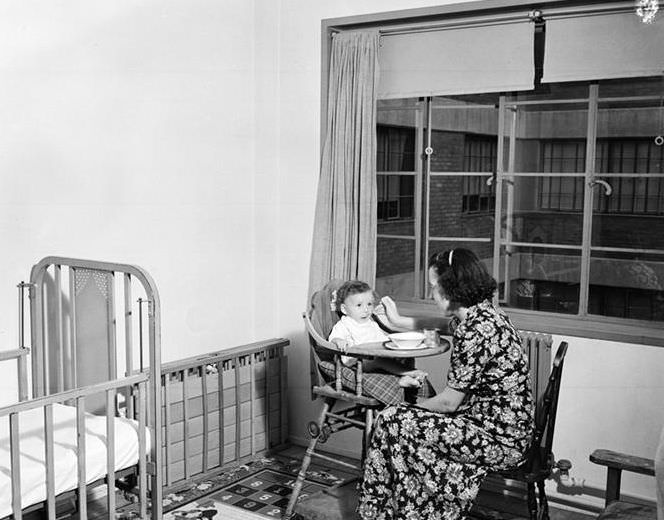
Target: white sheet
33 468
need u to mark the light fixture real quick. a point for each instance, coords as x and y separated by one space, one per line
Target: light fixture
646 10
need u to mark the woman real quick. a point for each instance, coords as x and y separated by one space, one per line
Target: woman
427 462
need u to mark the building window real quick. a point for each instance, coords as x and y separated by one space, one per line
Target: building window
479 156
395 162
562 193
576 238
629 195
632 195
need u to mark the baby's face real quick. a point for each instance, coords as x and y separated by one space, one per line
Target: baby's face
359 306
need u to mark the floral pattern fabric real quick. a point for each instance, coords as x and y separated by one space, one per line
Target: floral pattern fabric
429 465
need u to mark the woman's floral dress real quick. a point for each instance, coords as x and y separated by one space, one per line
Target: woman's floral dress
429 465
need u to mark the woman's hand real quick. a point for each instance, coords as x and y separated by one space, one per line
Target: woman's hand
389 308
393 316
448 400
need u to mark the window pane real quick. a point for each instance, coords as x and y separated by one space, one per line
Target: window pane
395 268
461 206
550 138
396 142
632 216
484 250
396 196
543 210
627 285
542 279
464 133
395 148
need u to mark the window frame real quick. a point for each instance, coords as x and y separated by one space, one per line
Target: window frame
588 326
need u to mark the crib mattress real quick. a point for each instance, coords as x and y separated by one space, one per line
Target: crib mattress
33 467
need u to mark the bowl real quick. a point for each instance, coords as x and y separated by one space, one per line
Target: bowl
406 339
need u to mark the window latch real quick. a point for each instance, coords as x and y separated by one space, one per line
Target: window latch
607 187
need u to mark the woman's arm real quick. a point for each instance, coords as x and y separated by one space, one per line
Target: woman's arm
446 401
396 321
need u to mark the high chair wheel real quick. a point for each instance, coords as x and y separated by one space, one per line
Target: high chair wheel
313 428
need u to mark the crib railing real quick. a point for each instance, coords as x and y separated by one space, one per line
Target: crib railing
135 385
223 408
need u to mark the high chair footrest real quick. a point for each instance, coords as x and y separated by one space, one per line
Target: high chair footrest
328 391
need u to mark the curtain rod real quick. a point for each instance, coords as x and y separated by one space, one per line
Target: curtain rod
480 21
536 14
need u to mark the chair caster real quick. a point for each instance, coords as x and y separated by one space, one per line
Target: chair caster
325 433
313 429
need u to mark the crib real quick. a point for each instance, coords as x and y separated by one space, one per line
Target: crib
94 382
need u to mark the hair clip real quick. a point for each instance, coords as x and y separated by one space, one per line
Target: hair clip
333 301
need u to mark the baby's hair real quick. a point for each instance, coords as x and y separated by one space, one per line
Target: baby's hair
348 288
462 277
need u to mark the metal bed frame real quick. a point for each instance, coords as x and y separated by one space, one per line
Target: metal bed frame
77 359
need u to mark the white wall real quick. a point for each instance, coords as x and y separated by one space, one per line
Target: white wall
127 133
612 393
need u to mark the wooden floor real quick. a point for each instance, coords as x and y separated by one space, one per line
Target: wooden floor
489 505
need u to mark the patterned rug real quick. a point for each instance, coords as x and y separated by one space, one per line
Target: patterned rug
257 490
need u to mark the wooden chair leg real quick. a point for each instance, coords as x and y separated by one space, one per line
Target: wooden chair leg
306 460
532 501
543 503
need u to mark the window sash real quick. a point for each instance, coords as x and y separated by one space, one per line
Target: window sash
588 201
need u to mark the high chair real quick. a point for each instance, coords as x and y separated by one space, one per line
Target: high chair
355 409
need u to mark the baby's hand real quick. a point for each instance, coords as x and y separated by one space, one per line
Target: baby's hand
420 375
341 344
379 309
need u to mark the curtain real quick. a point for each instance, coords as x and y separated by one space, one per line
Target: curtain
344 239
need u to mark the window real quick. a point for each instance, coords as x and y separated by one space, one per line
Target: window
395 153
631 195
538 157
636 195
479 156
577 238
562 193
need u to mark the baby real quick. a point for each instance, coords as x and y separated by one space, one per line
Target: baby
355 301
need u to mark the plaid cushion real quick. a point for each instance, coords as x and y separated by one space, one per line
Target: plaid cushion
379 385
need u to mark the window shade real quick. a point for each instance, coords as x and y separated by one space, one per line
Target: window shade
602 46
467 60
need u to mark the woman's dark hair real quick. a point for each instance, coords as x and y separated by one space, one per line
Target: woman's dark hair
462 277
348 288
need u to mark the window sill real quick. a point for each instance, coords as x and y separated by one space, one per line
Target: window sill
593 327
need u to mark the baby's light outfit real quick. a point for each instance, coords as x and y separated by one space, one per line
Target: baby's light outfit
355 333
